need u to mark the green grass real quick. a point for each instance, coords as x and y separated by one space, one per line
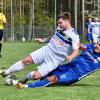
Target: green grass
86 89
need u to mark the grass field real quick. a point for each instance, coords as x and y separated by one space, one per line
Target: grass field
86 89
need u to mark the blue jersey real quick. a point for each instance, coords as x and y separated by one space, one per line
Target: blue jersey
87 62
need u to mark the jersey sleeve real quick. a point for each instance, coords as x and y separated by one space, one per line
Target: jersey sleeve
75 41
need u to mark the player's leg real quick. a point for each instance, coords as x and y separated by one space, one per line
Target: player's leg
41 83
35 57
35 75
29 76
90 38
59 75
95 38
0 48
17 66
1 36
42 71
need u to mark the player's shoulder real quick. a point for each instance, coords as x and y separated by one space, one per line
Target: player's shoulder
92 23
90 46
74 34
74 31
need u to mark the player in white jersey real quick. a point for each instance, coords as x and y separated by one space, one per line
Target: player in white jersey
63 45
95 30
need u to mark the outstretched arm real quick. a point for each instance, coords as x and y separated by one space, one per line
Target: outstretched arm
44 40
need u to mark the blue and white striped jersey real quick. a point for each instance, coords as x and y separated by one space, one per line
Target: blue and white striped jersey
64 43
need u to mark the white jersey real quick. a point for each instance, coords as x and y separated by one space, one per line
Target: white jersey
95 27
95 31
64 43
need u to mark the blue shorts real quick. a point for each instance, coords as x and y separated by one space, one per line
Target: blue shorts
89 36
1 35
65 75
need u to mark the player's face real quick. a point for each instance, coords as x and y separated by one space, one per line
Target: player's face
90 19
97 48
62 24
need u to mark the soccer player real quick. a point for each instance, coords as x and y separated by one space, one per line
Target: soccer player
89 30
86 63
63 45
2 23
95 29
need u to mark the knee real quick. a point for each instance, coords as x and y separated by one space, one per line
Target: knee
52 79
27 60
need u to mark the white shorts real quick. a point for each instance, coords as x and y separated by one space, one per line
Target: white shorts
46 59
95 37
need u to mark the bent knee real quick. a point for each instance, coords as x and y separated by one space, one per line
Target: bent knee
52 79
27 60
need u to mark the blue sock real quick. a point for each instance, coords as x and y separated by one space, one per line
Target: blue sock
40 83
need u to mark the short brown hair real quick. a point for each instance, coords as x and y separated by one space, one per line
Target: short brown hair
65 16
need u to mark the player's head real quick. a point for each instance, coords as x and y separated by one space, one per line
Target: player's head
89 19
96 19
64 20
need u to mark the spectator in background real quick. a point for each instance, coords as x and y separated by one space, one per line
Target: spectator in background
89 30
95 29
2 23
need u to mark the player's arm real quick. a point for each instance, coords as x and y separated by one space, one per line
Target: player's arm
40 40
44 40
75 46
73 55
89 26
82 47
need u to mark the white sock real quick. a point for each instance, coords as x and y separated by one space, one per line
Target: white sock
30 75
26 86
15 67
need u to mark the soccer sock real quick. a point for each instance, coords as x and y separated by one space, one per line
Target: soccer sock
15 67
41 83
0 47
30 75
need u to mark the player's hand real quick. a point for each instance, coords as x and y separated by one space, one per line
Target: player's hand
69 58
82 47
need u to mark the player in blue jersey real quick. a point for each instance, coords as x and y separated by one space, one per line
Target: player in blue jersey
63 45
86 63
